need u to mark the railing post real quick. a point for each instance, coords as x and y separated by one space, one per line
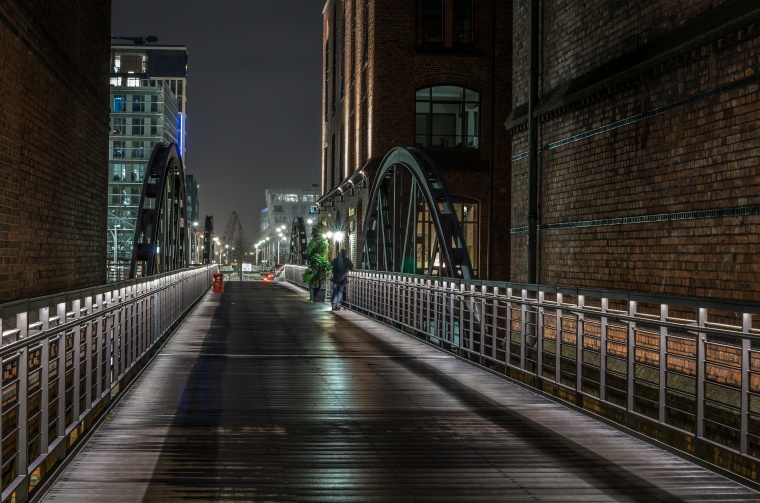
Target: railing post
631 357
700 362
579 330
558 348
603 323
663 362
746 346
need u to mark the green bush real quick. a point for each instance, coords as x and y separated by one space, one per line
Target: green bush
319 268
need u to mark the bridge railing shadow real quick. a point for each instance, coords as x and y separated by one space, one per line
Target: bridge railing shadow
67 358
681 371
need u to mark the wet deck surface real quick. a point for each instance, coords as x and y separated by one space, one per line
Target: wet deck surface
263 396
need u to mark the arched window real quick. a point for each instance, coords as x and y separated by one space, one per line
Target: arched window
447 116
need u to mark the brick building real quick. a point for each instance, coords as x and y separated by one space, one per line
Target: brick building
53 146
646 149
435 75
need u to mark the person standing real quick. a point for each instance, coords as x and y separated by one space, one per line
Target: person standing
341 266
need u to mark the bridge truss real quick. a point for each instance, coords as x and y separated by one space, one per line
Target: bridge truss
411 225
161 241
298 241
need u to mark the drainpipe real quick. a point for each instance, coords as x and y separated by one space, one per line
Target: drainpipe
532 276
491 224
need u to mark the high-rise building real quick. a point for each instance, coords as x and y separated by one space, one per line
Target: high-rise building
157 62
433 76
148 100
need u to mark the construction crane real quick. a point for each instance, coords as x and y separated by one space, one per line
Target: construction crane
234 229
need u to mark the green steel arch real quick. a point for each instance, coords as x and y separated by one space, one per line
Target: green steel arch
406 183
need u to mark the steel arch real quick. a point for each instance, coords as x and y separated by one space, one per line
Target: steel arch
298 241
160 242
386 214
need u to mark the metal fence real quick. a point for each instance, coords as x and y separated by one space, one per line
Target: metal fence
66 357
685 371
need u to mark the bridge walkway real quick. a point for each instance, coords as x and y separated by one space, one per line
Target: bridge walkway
264 396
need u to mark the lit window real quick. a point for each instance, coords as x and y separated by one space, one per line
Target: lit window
290 198
118 149
119 103
447 116
119 126
133 82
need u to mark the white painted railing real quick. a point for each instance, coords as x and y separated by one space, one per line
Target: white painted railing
66 357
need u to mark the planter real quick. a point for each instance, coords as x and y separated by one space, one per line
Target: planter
316 294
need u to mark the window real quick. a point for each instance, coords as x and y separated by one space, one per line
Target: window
119 103
138 152
432 22
153 127
307 198
154 104
467 212
278 208
138 127
447 23
463 22
447 116
290 198
138 103
118 149
119 126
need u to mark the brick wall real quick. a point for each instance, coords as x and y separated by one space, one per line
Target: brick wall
653 183
380 100
53 145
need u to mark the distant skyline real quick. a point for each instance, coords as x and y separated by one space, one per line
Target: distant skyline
254 95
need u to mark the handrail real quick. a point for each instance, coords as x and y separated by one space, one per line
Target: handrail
683 370
66 358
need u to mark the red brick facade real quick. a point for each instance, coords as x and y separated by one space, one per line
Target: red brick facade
369 108
53 145
649 139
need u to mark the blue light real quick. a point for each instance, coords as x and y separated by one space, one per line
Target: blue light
181 133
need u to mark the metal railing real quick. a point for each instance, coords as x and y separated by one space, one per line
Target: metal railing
66 357
685 371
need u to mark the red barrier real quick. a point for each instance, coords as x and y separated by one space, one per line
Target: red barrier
218 283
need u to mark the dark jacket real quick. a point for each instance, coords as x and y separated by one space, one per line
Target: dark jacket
341 265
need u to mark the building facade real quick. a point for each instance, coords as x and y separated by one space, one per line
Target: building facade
283 207
194 221
646 151
143 113
430 75
53 147
148 106
167 63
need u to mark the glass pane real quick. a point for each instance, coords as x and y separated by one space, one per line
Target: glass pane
447 93
470 95
423 94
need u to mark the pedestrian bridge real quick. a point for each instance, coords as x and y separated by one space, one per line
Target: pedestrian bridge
262 395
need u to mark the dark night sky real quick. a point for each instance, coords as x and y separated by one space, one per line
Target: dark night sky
254 94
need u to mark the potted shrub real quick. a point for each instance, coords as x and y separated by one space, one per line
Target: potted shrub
319 268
